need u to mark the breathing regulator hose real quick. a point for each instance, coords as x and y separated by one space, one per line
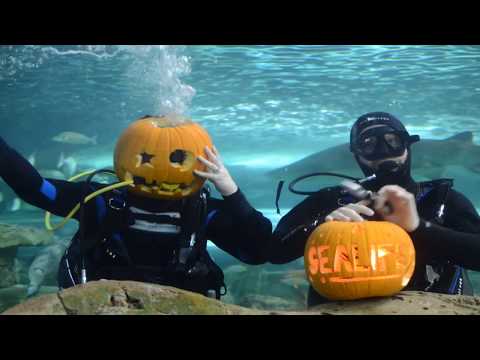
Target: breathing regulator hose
86 199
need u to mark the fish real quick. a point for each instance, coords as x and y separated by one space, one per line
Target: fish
85 157
45 264
15 205
52 174
8 196
74 138
32 158
67 165
334 159
46 159
430 159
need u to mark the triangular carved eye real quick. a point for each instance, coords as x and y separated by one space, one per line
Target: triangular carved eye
146 158
178 157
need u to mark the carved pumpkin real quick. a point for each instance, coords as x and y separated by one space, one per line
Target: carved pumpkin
159 154
354 260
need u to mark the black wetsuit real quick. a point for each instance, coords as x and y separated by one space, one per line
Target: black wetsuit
442 251
139 248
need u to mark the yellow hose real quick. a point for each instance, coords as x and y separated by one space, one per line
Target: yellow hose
51 227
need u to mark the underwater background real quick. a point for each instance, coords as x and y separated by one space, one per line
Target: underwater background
265 108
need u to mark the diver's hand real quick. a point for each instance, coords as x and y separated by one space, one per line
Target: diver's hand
351 212
401 209
217 173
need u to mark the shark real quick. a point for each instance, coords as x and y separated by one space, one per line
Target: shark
431 159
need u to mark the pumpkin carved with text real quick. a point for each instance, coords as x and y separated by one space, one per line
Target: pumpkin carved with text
355 260
159 154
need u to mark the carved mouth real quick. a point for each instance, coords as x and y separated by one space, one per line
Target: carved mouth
163 188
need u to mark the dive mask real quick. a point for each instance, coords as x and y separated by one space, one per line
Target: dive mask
382 142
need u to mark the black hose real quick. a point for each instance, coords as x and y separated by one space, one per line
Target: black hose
299 192
279 191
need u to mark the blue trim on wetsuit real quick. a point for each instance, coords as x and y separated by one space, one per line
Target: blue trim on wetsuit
210 215
458 272
424 193
101 208
49 190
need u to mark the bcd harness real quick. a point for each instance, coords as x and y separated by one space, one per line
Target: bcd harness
190 267
442 276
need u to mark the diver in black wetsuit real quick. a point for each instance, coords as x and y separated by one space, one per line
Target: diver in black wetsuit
130 237
443 223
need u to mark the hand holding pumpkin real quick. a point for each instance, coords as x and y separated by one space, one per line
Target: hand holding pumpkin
402 209
217 173
351 212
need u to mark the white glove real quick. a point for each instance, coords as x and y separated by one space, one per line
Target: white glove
217 173
351 212
402 208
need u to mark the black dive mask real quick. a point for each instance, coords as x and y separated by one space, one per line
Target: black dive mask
380 143
379 135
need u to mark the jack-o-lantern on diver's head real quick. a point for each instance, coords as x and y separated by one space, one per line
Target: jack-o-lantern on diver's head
159 154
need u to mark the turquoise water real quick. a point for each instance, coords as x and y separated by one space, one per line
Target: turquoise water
264 106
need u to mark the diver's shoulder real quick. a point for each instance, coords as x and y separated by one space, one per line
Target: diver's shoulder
458 197
454 196
437 182
436 186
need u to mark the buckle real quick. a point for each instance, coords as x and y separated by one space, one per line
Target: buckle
114 207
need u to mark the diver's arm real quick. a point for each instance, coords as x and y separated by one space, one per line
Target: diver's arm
458 240
240 230
292 232
55 196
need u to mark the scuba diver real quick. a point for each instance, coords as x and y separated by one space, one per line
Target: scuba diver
442 223
130 233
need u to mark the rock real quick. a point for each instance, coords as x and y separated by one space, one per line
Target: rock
109 297
21 271
265 302
134 298
16 294
11 237
7 267
404 303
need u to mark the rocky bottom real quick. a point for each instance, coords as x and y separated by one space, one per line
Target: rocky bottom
134 298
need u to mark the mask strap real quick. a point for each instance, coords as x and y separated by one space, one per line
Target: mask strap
413 139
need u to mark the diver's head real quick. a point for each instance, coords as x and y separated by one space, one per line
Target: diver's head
158 154
381 145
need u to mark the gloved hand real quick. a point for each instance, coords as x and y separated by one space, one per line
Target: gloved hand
351 212
217 173
402 208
